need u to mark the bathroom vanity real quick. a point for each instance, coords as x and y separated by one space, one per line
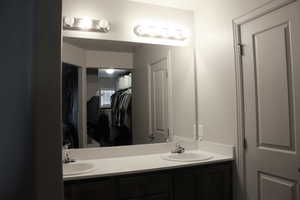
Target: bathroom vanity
205 182
151 177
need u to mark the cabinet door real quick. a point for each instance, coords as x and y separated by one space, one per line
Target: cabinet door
158 197
149 186
131 187
184 184
157 184
215 182
154 197
90 190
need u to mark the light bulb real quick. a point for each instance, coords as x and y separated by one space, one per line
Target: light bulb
185 34
164 32
104 24
160 31
85 23
140 30
69 21
152 31
110 71
171 33
177 35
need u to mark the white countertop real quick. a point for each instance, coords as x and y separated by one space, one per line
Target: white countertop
104 167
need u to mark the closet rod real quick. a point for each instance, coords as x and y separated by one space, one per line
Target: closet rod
121 90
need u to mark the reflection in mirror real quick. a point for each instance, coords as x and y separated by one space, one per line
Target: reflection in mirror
70 106
109 107
121 93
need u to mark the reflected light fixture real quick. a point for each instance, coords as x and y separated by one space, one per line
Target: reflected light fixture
163 32
109 71
86 24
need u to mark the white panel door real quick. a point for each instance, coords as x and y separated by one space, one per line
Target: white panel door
271 83
159 100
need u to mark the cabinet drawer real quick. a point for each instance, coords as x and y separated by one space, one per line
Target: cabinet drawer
158 197
132 187
154 197
215 182
184 184
145 185
92 190
157 184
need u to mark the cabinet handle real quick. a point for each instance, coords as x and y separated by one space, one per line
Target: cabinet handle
151 137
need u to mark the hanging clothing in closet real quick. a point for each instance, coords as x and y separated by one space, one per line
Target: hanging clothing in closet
121 108
121 115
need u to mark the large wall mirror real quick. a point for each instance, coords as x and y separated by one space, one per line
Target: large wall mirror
122 93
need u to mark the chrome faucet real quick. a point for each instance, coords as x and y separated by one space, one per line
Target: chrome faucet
178 149
66 155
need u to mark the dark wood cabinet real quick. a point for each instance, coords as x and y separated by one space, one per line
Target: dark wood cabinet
184 184
145 186
215 182
208 182
97 189
158 197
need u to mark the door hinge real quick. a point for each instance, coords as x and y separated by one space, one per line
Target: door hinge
241 50
245 143
167 74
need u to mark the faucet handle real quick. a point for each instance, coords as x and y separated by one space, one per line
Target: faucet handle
66 156
66 146
178 149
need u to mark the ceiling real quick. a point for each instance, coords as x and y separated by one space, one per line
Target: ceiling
103 74
101 45
117 72
179 4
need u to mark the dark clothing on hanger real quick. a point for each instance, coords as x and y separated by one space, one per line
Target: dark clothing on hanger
121 116
121 108
97 122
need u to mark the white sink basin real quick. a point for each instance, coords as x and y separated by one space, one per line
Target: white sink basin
186 157
77 168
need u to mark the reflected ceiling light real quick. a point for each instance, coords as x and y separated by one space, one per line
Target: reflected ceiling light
109 71
86 24
154 31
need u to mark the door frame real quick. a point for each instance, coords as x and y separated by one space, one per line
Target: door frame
45 86
240 137
169 86
79 109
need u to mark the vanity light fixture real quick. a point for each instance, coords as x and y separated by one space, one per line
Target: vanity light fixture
86 24
109 71
171 33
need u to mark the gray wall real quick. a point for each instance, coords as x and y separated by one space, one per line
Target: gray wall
16 142
73 55
91 83
109 83
47 101
30 137
183 92
216 68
